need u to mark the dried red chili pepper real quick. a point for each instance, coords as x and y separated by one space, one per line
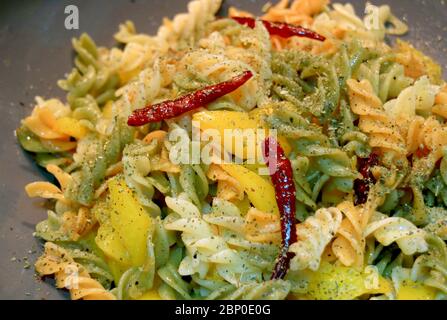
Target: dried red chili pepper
422 152
174 108
282 179
361 186
282 29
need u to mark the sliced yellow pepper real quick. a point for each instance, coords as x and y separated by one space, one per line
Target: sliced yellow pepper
255 167
116 255
130 220
233 120
70 127
117 269
410 290
221 120
123 236
336 282
110 243
259 191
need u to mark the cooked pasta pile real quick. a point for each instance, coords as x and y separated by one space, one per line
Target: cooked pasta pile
128 222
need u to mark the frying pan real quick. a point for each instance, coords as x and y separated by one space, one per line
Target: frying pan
35 51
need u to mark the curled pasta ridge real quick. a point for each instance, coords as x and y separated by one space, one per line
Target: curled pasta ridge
70 275
387 230
314 235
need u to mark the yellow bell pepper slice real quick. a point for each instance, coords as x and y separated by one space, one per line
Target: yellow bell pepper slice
410 290
116 268
70 127
233 120
108 240
130 220
259 191
336 282
221 120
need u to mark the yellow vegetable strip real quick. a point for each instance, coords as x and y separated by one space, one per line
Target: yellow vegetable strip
259 191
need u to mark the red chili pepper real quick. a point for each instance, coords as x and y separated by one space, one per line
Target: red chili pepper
361 186
282 179
174 108
282 29
422 152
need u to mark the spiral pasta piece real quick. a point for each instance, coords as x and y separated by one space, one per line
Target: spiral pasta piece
91 75
262 227
291 70
142 90
243 233
440 107
423 132
186 28
42 121
383 132
94 155
137 167
431 268
417 99
331 170
297 12
50 128
206 248
416 63
314 235
213 65
44 190
437 222
387 79
426 135
387 230
228 188
140 51
349 245
342 22
267 290
71 223
68 274
78 224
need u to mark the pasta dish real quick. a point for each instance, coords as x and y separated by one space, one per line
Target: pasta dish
293 155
